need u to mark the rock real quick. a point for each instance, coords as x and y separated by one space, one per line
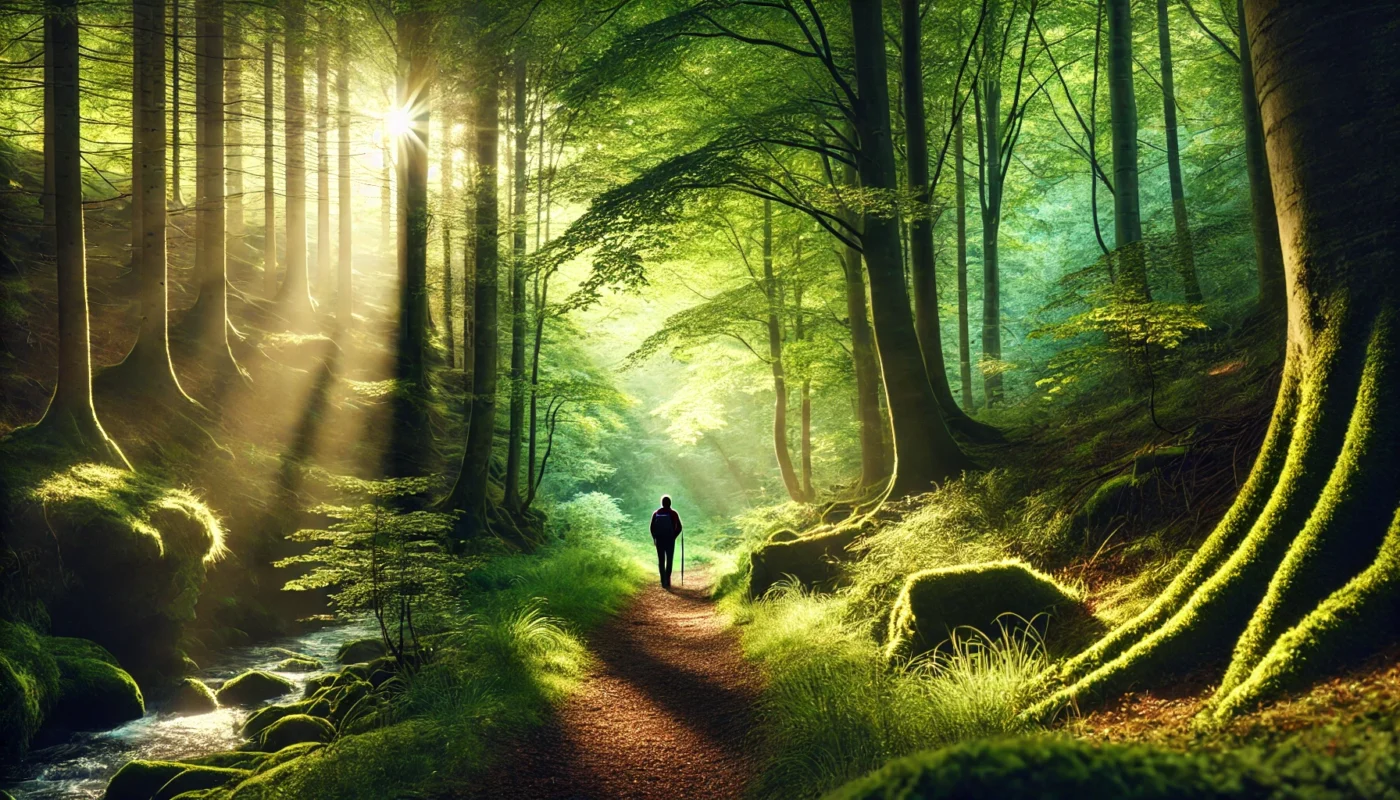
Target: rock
357 672
193 697
288 753
295 729
253 687
1115 498
1160 458
29 685
73 647
298 664
812 560
935 602
232 759
383 670
140 780
349 696
196 778
266 717
318 683
361 650
95 695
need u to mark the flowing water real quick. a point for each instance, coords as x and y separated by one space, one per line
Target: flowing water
81 766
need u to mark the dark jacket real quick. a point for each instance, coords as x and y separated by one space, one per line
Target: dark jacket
675 523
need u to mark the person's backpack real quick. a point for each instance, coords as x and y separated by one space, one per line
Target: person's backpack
662 526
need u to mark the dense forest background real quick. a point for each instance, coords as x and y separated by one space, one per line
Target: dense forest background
997 388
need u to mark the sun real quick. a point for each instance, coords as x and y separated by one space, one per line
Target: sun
398 122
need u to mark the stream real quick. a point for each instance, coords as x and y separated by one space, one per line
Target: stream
81 766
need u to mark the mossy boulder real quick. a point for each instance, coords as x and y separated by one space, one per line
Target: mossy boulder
197 778
1032 768
231 759
318 683
73 647
295 729
264 718
359 651
813 561
253 687
298 664
289 753
193 697
95 695
1162 458
140 780
935 602
348 696
29 687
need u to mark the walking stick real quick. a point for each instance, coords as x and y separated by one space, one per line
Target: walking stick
682 558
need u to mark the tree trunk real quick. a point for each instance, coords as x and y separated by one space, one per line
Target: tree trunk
469 493
1127 216
964 338
323 159
209 316
1268 250
1301 575
46 196
772 290
874 459
386 203
233 139
800 334
345 211
446 217
295 293
924 276
70 415
175 77
137 149
1185 254
990 195
924 452
269 162
517 293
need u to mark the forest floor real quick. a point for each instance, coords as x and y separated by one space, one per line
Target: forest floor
667 710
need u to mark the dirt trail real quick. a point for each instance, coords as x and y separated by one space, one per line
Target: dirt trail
665 712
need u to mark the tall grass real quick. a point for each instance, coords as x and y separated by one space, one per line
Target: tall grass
834 709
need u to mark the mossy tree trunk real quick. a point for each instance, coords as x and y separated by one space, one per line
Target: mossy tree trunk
515 437
1127 213
874 458
269 158
1303 573
773 291
924 275
295 292
469 493
345 213
70 415
1185 255
924 451
987 104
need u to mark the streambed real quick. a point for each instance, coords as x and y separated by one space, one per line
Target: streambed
81 766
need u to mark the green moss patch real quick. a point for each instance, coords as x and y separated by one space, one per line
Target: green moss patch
810 560
29 686
95 695
139 780
936 602
295 729
360 651
193 697
253 687
197 778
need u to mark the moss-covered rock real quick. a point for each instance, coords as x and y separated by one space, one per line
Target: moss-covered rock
812 560
193 697
140 780
1042 767
95 695
361 650
264 718
197 778
298 664
253 687
289 753
29 686
348 696
317 683
73 647
231 759
935 602
295 729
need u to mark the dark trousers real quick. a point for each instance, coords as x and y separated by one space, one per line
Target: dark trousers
665 552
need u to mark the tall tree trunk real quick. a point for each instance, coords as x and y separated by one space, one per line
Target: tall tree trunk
269 160
990 176
70 415
800 334
924 452
345 212
210 313
233 139
1186 256
469 493
411 424
773 291
874 457
517 292
295 293
175 77
323 159
1268 250
386 204
446 217
1301 575
137 149
1127 216
46 196
964 338
924 276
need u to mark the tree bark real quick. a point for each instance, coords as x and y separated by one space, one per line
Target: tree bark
1268 250
1301 575
233 139
1185 254
773 291
800 334
70 415
517 293
964 339
990 195
137 149
446 217
295 293
924 452
345 211
386 203
469 493
175 77
1127 215
209 316
269 162
874 456
46 196
323 159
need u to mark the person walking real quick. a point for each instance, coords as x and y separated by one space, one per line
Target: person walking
665 527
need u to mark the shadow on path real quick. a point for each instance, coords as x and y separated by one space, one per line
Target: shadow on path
665 712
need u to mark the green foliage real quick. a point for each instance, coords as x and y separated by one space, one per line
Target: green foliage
589 516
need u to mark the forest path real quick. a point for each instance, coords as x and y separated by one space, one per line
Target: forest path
666 711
